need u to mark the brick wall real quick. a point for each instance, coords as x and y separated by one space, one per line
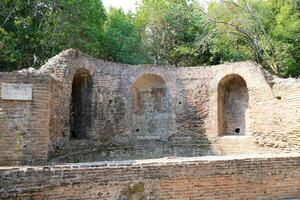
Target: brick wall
189 128
256 177
276 121
24 125
56 127
193 95
232 105
272 121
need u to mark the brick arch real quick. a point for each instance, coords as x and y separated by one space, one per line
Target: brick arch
81 104
148 81
159 72
152 89
251 73
149 78
63 66
255 81
69 72
233 103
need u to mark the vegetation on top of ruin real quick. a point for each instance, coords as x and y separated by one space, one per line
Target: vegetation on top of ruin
177 32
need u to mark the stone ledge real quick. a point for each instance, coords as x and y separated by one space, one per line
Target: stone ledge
151 162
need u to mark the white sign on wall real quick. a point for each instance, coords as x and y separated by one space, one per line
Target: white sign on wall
11 91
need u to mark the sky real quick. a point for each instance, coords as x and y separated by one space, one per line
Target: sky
131 4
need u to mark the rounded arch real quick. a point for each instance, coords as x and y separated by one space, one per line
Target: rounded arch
152 107
149 80
81 104
166 74
233 102
150 92
65 70
258 90
250 72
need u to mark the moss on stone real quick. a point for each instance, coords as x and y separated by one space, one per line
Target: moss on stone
131 191
19 141
2 117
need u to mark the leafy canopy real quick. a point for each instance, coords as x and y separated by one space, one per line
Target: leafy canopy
266 31
176 32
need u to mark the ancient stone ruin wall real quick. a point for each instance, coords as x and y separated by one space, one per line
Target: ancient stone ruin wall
233 104
24 124
152 108
134 112
258 177
57 130
116 121
277 119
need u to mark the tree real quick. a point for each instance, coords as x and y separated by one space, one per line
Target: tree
284 26
122 39
250 29
79 24
32 31
20 32
174 31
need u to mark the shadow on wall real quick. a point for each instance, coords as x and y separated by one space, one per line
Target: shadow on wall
152 108
191 109
233 102
81 105
161 124
159 128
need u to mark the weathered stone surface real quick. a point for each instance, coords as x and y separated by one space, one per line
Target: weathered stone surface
228 177
83 109
233 103
12 91
147 112
24 125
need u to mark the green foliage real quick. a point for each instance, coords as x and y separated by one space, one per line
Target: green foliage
174 31
79 25
34 30
285 30
122 39
267 32
228 45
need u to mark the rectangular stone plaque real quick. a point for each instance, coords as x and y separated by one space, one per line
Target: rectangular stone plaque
10 91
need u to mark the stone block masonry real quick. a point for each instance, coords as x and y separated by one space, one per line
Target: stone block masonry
219 177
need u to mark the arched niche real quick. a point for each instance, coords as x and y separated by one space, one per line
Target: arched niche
233 102
81 104
152 109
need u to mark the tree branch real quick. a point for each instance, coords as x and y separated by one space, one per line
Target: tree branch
9 15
